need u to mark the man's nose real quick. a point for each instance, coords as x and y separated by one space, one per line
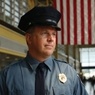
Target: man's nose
51 37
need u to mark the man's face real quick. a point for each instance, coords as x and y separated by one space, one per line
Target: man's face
42 41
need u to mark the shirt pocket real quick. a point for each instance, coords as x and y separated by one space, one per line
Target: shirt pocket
60 91
21 92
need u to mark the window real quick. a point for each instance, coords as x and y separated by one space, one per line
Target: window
12 10
87 56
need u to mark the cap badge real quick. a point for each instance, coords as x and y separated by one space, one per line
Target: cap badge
29 23
62 78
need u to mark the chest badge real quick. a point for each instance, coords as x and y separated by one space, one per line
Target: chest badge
62 78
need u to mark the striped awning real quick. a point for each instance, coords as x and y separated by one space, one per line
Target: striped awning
77 22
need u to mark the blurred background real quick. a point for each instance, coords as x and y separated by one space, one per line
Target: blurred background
75 42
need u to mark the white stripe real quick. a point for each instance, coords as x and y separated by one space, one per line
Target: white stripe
59 34
93 20
85 21
59 24
71 23
65 22
78 23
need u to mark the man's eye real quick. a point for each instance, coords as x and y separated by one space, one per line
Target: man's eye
43 33
54 34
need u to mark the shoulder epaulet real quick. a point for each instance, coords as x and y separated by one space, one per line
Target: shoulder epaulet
60 61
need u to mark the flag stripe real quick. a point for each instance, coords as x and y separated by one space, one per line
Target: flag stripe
59 24
93 19
71 23
65 22
54 5
78 23
62 21
89 21
75 21
68 21
82 21
86 21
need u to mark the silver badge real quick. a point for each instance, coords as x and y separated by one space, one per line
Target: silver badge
62 78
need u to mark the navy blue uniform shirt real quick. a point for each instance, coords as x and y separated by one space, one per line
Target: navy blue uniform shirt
19 78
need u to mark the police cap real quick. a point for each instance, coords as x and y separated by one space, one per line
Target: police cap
46 15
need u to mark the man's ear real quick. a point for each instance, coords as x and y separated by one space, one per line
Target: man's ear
28 38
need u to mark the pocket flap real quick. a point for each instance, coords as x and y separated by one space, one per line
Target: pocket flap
58 91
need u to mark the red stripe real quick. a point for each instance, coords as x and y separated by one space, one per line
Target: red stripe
62 22
54 5
89 22
75 21
82 20
68 21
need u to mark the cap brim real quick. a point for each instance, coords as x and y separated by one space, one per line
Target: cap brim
45 24
56 27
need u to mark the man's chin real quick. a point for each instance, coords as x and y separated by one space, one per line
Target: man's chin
48 53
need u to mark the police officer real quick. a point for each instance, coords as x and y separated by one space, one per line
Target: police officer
56 77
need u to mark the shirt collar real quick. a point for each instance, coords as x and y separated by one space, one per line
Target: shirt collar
49 62
34 63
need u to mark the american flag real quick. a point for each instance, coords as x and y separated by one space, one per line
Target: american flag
77 22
